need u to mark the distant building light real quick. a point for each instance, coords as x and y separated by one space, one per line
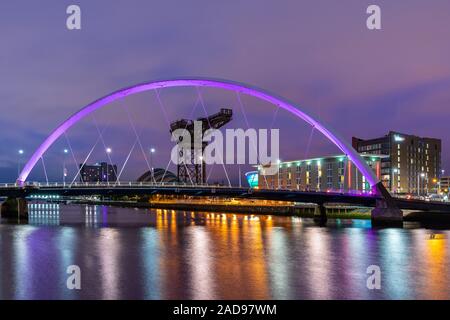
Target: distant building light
398 138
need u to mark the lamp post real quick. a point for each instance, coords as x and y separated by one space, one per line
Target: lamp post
108 151
152 171
439 181
435 182
21 152
421 175
65 151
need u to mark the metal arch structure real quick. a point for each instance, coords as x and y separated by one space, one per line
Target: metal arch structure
264 95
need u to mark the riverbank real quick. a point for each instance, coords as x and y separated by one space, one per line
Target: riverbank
305 210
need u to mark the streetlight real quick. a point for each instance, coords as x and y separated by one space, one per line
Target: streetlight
421 175
108 151
152 151
21 152
435 182
65 151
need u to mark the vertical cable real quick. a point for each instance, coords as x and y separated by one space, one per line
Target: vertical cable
209 123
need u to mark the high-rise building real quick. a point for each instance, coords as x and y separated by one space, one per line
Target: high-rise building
333 173
413 164
99 172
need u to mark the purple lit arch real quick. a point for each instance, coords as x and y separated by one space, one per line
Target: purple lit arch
206 82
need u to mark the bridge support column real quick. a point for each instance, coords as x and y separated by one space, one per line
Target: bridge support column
386 213
15 209
320 214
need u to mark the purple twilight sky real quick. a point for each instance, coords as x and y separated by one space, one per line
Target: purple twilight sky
316 53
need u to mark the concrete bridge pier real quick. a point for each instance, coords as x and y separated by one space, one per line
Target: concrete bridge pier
15 209
386 213
320 215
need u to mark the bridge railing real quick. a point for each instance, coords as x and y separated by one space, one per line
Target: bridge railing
132 184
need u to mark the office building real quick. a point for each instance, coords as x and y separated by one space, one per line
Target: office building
99 172
412 165
333 173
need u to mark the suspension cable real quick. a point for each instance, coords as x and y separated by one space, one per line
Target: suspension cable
163 110
308 145
248 127
202 103
71 151
104 144
45 170
125 163
84 162
133 126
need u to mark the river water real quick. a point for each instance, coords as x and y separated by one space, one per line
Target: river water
126 253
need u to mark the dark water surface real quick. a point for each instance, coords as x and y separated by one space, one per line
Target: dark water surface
158 254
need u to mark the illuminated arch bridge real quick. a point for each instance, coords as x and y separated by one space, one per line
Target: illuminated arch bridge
239 88
201 82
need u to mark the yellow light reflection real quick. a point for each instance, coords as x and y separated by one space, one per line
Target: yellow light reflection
437 275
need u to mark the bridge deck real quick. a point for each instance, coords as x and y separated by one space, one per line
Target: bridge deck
217 191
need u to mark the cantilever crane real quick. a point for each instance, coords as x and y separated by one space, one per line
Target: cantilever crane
193 171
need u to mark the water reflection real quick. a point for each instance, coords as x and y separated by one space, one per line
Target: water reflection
150 260
43 214
395 262
200 265
436 255
163 254
108 246
21 252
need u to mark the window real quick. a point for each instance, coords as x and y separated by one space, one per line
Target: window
329 182
341 171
